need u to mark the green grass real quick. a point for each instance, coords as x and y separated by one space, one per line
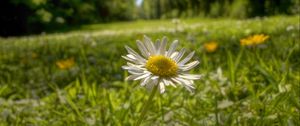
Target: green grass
240 86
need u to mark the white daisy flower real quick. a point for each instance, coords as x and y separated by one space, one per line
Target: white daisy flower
158 66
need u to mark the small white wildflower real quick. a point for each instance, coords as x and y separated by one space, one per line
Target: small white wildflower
175 21
158 66
290 28
218 76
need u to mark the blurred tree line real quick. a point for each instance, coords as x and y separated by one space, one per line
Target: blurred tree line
18 17
33 16
217 8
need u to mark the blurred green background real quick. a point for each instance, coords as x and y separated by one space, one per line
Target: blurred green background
60 62
21 17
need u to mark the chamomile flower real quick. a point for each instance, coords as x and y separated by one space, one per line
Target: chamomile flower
158 66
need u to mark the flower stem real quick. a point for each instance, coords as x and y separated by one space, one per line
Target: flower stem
146 106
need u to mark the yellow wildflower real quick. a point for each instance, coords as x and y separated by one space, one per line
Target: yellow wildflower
254 40
211 46
65 64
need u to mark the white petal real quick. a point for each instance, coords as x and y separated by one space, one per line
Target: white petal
134 68
136 65
190 76
131 56
190 89
154 77
134 59
162 47
135 54
157 44
172 48
189 66
126 67
180 54
168 82
176 81
161 87
132 77
145 81
143 76
129 59
187 58
174 54
171 83
135 71
137 58
187 84
142 49
130 51
149 45
182 82
151 84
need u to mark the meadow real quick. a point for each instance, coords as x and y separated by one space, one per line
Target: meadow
75 78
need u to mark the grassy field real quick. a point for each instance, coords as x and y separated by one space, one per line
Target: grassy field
75 78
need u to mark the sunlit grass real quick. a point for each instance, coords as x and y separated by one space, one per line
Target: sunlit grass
241 85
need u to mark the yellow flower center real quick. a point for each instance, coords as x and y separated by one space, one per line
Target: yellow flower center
162 66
